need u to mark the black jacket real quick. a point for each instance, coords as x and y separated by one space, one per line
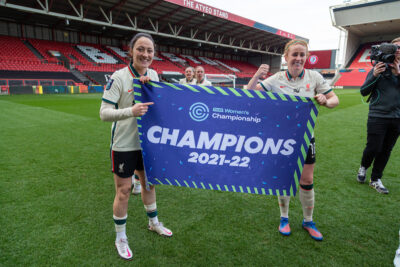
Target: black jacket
385 95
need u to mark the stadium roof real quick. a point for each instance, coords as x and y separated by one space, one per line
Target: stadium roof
173 22
368 17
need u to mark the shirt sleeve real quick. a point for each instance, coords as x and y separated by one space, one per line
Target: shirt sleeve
112 93
153 75
322 86
369 84
108 112
267 84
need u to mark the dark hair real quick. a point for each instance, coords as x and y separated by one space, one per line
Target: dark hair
139 35
136 37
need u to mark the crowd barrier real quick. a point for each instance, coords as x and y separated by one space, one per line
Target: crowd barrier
39 89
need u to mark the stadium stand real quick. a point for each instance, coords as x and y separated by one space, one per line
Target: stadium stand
85 50
16 56
358 67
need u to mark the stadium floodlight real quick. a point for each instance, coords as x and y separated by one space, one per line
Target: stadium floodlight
67 22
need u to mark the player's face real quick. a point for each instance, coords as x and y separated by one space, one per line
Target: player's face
142 53
189 74
296 58
199 74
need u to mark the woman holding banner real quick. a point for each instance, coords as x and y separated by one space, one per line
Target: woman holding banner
118 105
300 82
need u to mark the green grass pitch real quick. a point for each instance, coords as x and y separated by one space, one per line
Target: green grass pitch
56 194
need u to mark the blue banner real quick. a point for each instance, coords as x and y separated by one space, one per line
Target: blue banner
224 139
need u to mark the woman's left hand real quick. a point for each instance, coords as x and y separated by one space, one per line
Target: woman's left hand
144 79
321 99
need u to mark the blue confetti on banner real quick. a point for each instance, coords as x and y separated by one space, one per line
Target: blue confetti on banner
248 144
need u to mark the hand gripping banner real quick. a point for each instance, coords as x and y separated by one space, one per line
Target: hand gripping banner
224 139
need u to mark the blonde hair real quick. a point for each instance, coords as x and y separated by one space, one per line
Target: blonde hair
190 67
293 42
395 40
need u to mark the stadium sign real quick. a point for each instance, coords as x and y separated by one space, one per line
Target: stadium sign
224 139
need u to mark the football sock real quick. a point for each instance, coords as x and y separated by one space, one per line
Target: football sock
307 199
120 226
151 211
284 205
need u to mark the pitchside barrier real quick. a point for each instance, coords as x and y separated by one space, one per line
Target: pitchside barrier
39 89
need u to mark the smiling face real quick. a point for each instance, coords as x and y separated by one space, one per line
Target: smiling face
142 54
189 74
296 57
199 74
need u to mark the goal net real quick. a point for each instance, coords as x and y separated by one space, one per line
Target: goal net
222 79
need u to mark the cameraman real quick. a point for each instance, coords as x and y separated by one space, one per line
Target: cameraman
383 126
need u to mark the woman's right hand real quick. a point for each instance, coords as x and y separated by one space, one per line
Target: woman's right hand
139 109
379 68
262 70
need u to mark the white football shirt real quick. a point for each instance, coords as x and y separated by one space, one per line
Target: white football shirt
119 92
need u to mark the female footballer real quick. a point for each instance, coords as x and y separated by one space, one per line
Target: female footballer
118 106
300 82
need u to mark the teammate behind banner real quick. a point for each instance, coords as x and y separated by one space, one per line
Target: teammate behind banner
189 76
299 82
200 77
118 105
